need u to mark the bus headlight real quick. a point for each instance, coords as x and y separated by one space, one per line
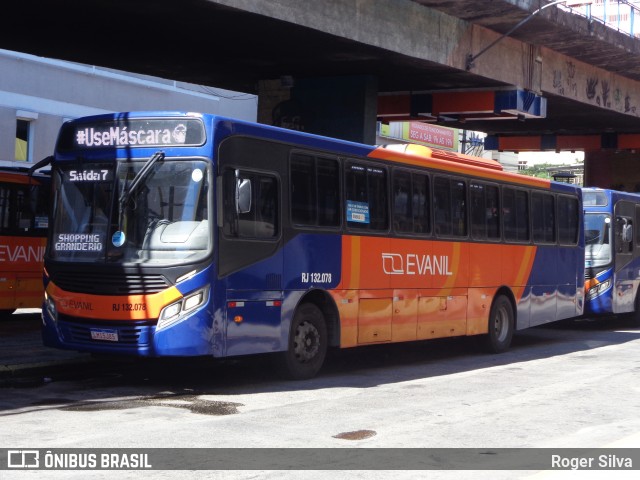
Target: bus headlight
50 306
599 289
171 311
179 310
193 301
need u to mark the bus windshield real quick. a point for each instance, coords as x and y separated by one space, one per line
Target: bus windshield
597 239
111 212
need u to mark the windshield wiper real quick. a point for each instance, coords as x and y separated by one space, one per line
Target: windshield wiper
42 163
137 180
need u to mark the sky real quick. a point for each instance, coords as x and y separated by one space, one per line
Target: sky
561 158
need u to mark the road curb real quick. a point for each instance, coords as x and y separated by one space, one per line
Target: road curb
20 373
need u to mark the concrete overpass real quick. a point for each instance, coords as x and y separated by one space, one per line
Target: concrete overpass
336 66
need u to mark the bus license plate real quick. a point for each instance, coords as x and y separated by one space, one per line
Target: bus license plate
104 334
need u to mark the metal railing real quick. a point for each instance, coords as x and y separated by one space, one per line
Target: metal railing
621 15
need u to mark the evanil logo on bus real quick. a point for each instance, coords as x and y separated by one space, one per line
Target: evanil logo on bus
21 253
415 264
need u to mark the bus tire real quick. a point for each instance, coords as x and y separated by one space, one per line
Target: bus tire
635 316
307 346
501 326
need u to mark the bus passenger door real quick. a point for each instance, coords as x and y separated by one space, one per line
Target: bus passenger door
544 287
250 260
7 291
544 276
625 274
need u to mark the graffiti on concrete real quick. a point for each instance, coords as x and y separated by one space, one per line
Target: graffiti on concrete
628 108
557 82
597 90
592 84
572 86
605 91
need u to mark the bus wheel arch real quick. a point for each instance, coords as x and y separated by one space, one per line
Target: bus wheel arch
313 329
329 309
635 316
501 322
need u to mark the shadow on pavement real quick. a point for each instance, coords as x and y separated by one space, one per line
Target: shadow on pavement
33 365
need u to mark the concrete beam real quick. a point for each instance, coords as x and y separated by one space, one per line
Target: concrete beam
426 34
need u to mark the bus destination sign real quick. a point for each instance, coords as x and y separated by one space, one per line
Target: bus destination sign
133 132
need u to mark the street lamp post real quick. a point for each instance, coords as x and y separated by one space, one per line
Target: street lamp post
471 58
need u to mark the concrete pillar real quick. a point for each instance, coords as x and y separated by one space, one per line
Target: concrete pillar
340 107
613 169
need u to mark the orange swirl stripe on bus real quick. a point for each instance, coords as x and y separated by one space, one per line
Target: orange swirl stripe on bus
525 264
403 289
353 267
382 263
125 307
455 267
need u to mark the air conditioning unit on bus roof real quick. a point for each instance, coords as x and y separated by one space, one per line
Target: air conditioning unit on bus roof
428 152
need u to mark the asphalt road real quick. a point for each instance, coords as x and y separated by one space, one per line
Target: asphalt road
565 386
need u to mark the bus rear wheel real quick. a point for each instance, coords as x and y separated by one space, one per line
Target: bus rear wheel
635 316
501 326
307 347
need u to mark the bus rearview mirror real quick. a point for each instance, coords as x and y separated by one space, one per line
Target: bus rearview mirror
243 195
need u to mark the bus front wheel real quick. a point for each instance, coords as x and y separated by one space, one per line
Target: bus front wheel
307 344
501 326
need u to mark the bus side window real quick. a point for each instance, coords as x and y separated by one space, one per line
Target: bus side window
459 204
484 204
442 205
477 206
23 210
377 179
568 220
411 213
303 190
492 195
450 206
328 175
314 191
543 216
420 203
402 216
40 206
366 197
5 209
515 208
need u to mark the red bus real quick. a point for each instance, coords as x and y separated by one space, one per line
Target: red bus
191 234
24 203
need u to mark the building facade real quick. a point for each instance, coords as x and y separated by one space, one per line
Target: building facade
37 95
622 15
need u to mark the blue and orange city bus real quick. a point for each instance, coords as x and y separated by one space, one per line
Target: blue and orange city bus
190 234
24 205
612 252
